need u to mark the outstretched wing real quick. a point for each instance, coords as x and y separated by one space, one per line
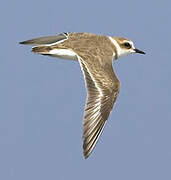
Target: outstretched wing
102 90
47 40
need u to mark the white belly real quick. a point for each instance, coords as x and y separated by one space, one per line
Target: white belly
63 53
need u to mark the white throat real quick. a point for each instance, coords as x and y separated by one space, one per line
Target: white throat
121 52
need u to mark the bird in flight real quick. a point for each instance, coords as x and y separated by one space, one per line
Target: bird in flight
95 54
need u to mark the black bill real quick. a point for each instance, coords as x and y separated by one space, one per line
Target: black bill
139 51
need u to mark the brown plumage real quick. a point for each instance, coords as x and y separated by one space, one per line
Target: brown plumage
95 54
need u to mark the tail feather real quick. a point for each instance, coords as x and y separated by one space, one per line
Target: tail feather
41 49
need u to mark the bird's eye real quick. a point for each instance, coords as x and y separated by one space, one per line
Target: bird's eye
127 45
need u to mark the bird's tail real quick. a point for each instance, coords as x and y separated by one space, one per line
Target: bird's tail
43 43
41 49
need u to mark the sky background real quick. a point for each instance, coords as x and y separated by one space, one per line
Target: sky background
42 98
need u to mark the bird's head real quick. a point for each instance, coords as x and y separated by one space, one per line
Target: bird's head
125 46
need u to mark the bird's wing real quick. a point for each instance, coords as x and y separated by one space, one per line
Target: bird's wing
102 90
47 40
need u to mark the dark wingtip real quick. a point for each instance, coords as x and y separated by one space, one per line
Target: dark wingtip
27 42
86 156
22 42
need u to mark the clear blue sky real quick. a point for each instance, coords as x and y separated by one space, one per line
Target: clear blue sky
42 98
